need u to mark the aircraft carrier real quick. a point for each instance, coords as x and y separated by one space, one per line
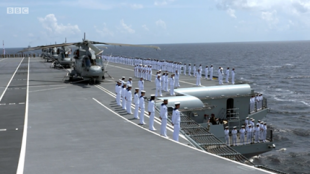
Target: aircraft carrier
49 125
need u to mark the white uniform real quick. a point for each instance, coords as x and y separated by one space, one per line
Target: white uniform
194 70
158 87
242 132
166 82
177 77
206 73
151 109
184 69
220 77
176 119
234 137
128 100
171 82
257 131
198 79
129 83
233 76
141 85
227 75
249 135
265 133
164 116
118 90
136 101
142 107
124 92
211 73
226 132
189 70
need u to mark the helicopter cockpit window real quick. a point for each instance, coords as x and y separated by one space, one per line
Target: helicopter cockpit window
99 61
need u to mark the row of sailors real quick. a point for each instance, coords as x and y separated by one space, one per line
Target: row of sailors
126 95
256 101
247 134
143 68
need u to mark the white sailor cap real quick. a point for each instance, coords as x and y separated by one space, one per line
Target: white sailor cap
258 121
130 77
152 95
120 81
160 70
257 124
176 103
242 126
142 91
235 127
137 89
253 119
250 125
129 86
226 127
123 77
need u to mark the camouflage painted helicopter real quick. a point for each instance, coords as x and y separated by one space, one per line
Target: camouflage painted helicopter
88 63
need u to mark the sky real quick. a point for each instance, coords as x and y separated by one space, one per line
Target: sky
154 21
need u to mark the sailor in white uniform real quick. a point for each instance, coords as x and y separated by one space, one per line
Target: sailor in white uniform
123 80
227 75
129 82
163 79
142 107
206 72
256 133
249 134
242 133
158 86
198 78
194 70
220 76
166 81
163 116
118 91
128 99
176 120
189 69
141 85
124 92
265 132
136 102
233 76
211 72
234 136
184 69
177 77
151 110
226 132
171 82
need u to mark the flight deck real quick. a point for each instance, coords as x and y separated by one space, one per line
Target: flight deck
74 127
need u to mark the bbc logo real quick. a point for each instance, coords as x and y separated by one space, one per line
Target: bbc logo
17 10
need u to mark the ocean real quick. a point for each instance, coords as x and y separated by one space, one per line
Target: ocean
278 70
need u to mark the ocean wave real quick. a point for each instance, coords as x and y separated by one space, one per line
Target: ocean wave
297 77
302 132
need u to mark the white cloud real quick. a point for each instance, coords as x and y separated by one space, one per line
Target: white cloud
49 23
145 27
126 28
269 16
231 12
163 2
161 24
136 6
30 35
104 31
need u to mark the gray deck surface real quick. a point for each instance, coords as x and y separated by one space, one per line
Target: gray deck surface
70 132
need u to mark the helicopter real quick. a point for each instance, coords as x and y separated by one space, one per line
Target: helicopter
88 63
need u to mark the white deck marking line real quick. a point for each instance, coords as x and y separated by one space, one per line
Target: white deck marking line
11 103
47 89
16 129
2 129
3 59
21 161
2 104
157 120
146 129
10 80
152 74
